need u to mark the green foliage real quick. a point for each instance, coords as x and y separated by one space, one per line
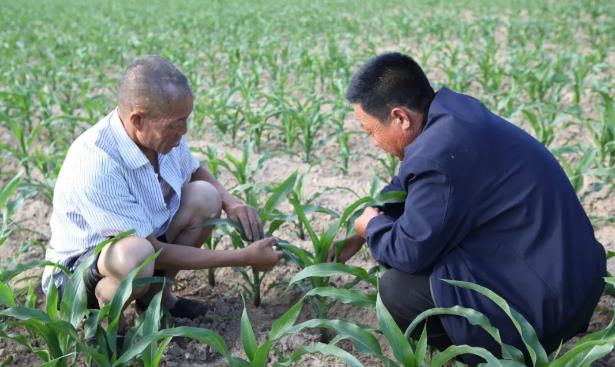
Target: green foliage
270 78
271 217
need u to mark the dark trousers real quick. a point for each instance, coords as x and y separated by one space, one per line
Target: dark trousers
406 296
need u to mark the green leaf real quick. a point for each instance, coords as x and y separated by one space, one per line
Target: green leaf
203 335
261 356
7 275
151 325
6 296
354 206
296 254
475 318
454 351
8 190
389 197
364 341
279 193
583 353
305 221
347 296
26 313
73 306
122 295
329 269
52 301
421 348
527 332
326 240
285 322
248 340
399 343
56 361
225 222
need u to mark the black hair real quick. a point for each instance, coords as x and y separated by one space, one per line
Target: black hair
389 80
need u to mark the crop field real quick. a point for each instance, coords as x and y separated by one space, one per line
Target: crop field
271 121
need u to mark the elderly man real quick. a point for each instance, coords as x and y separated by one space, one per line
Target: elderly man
133 170
486 203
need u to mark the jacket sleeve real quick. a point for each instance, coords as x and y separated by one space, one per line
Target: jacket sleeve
415 240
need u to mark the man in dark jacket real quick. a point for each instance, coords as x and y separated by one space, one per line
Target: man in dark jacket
486 203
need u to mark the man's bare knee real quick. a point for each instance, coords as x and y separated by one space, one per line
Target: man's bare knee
119 259
204 198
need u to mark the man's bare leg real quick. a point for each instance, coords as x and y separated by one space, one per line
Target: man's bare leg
117 261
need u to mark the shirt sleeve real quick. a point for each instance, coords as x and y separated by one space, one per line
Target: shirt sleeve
414 241
109 208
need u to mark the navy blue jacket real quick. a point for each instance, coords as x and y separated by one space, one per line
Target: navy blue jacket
487 203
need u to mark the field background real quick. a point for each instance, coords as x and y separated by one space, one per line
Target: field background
274 74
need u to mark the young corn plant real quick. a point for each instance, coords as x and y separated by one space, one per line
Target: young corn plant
66 333
579 167
58 326
308 207
258 354
387 162
272 218
603 131
211 243
242 170
414 353
7 206
314 265
589 349
302 122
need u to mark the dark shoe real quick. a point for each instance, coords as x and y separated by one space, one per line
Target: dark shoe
188 308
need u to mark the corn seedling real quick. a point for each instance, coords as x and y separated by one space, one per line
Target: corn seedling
325 240
7 207
272 219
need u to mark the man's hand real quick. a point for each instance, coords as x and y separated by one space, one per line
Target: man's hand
248 217
261 255
361 223
349 247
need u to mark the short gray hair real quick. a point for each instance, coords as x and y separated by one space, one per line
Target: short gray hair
152 83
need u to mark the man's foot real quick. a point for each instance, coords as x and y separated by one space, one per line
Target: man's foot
188 308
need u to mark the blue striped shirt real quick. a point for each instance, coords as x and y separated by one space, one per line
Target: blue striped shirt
106 186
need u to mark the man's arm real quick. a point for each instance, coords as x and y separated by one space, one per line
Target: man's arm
234 208
260 254
428 227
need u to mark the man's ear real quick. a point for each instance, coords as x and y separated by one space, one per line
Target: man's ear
136 119
400 116
406 118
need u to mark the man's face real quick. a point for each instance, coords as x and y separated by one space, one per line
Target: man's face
161 132
392 137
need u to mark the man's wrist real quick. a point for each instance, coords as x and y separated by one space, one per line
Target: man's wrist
228 202
242 257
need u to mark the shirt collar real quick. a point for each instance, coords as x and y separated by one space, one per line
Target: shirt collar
131 154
